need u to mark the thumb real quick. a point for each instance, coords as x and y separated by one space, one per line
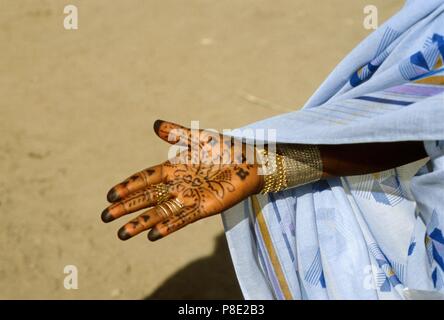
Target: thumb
172 133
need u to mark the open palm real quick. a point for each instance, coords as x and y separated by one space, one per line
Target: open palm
207 181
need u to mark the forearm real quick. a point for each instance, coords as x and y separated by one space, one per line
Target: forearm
297 164
363 158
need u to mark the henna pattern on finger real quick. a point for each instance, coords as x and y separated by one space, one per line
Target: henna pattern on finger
145 174
123 234
133 227
137 201
112 195
157 125
154 234
122 189
106 216
134 223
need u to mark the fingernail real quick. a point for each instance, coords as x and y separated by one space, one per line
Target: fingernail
112 196
154 235
106 216
157 125
123 234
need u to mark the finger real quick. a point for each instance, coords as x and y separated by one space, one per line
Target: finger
136 201
172 133
165 228
136 182
141 223
176 134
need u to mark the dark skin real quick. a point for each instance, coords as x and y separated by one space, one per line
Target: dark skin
363 158
207 187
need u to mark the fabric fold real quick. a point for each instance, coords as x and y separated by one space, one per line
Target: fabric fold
362 237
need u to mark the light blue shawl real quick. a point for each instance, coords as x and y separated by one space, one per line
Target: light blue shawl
375 236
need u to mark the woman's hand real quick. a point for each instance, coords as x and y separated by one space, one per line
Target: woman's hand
211 175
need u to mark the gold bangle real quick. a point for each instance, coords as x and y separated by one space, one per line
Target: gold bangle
275 176
303 164
292 165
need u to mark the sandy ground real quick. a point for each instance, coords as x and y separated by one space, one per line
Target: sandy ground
77 109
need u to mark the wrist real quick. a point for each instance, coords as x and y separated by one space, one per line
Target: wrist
290 166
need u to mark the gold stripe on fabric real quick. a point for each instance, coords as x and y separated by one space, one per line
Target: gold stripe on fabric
431 80
257 210
438 64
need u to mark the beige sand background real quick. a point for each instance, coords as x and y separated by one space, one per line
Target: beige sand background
77 109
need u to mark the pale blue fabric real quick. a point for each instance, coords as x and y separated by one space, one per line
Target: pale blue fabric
361 237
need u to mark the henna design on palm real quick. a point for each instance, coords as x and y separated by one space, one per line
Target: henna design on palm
208 182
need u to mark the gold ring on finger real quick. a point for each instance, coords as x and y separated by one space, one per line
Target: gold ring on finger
162 193
163 211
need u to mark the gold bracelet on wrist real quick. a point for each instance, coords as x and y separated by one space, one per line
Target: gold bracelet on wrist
303 164
275 175
291 166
